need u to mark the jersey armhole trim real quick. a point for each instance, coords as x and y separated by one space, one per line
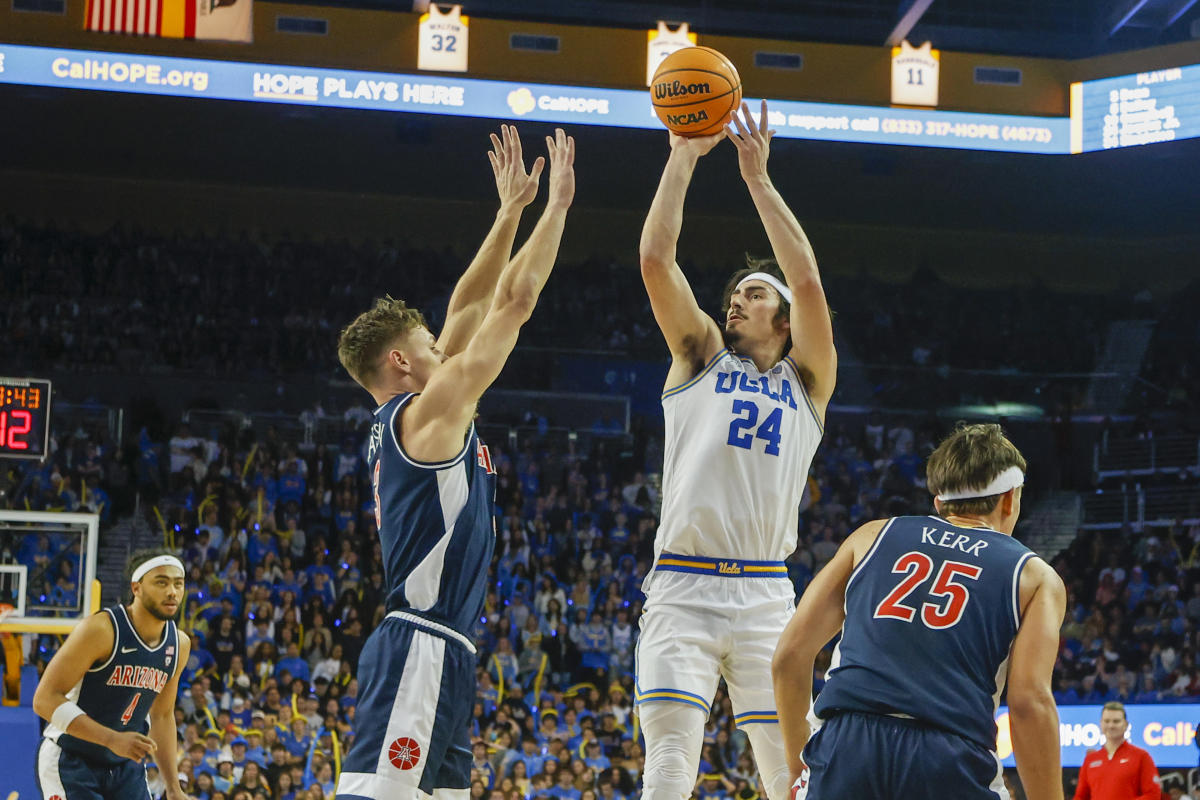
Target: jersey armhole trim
430 465
870 553
116 642
804 391
692 382
1016 584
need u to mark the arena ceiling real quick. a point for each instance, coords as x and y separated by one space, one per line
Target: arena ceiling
1048 28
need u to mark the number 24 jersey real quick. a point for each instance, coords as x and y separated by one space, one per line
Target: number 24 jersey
739 443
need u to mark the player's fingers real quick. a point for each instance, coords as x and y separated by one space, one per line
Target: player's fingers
733 136
515 141
495 162
742 127
571 150
762 120
535 174
560 136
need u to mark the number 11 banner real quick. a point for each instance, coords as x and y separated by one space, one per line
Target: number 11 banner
915 75
442 43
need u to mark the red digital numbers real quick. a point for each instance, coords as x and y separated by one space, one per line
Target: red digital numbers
12 425
952 595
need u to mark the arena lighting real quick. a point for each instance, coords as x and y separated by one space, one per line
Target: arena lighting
1165 730
506 100
994 410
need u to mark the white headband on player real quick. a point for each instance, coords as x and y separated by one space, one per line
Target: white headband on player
779 285
1010 479
155 563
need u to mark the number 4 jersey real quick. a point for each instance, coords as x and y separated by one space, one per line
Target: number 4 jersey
118 692
931 614
739 443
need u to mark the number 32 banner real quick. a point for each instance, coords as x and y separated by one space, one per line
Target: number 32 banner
442 42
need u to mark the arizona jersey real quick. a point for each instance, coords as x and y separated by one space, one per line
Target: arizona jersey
119 692
739 443
931 614
435 523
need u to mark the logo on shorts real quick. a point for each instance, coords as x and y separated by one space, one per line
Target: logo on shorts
55 797
404 753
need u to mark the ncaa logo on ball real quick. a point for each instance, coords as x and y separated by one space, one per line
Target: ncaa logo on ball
404 753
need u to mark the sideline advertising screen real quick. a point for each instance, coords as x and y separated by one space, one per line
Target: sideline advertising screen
506 100
1166 731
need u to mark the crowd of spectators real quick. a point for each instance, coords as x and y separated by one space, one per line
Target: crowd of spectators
110 301
285 572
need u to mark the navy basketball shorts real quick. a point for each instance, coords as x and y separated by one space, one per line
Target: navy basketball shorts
881 757
416 690
67 776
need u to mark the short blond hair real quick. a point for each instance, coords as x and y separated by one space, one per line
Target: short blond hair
362 343
970 457
1114 705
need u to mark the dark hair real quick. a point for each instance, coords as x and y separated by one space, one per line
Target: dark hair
971 457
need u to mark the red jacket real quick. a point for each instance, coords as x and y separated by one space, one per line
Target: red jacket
1129 775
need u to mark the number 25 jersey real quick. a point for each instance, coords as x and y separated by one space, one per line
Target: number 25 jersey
931 613
739 443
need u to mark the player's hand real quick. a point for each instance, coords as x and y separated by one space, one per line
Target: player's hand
752 140
695 146
562 168
515 187
132 745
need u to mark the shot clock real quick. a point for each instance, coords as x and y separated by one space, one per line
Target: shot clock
24 417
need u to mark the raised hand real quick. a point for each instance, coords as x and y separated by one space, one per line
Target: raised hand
515 186
753 141
562 168
695 145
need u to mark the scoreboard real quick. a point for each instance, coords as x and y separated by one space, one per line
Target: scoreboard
1146 108
24 417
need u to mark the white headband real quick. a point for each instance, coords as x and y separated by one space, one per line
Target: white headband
154 563
1010 479
780 287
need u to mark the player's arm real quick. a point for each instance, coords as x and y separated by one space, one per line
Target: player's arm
1033 715
819 616
472 295
1149 787
91 642
432 427
812 328
691 335
162 724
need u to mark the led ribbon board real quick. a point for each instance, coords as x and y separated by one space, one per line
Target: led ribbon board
1165 730
467 97
1146 108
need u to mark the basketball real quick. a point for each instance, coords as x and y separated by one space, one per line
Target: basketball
695 90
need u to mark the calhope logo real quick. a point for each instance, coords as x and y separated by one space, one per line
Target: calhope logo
521 101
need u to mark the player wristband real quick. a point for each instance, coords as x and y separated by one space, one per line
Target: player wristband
65 714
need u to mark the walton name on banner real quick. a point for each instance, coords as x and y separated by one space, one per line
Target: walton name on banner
227 20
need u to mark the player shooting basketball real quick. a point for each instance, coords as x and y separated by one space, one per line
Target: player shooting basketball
109 692
744 405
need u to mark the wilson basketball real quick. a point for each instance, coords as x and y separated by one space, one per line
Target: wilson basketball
695 90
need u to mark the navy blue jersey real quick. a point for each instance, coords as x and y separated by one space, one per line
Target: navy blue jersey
118 692
435 523
931 613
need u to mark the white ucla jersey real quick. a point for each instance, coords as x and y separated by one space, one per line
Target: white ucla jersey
739 443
